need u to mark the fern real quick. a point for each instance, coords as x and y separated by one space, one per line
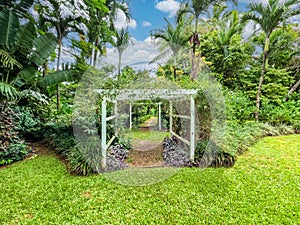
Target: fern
8 92
8 61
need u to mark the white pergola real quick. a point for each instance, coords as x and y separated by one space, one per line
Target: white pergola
146 94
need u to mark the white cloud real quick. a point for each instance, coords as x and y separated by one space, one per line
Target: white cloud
146 24
251 1
137 55
250 29
121 21
168 6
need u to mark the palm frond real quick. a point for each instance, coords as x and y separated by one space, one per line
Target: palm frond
8 60
25 35
26 75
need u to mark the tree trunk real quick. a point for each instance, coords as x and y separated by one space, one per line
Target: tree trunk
57 68
92 54
174 66
95 52
263 72
45 65
195 59
119 64
294 88
175 75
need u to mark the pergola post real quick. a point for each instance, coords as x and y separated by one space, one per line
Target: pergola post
103 134
192 128
116 119
171 116
159 116
130 116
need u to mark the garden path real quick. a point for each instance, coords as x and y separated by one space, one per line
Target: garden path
146 153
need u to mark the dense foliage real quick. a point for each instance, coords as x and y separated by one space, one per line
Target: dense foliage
258 74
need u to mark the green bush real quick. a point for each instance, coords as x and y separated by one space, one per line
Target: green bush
237 139
287 113
15 152
29 125
238 107
60 136
84 159
12 148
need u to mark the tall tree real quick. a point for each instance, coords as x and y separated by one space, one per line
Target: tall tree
64 16
195 8
171 38
224 48
269 16
121 43
101 24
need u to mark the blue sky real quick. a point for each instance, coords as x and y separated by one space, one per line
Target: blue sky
148 15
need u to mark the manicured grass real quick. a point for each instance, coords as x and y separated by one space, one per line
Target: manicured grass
147 135
262 188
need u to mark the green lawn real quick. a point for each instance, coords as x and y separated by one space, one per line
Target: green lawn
146 135
262 188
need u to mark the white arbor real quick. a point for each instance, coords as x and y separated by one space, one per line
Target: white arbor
144 94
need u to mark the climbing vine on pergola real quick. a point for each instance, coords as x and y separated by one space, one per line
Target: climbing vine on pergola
145 94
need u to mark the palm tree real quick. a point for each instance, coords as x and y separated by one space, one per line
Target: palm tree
64 17
100 29
170 39
196 8
121 43
269 15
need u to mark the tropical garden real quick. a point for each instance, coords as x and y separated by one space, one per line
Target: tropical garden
248 175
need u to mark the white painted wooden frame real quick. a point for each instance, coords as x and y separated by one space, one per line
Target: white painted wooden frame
141 94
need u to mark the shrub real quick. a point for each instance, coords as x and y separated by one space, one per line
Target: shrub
238 107
29 125
237 139
12 148
84 159
287 112
60 136
13 153
173 154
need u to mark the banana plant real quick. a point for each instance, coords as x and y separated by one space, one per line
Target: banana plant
22 52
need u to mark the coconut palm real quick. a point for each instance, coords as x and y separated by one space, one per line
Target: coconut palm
269 15
170 39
